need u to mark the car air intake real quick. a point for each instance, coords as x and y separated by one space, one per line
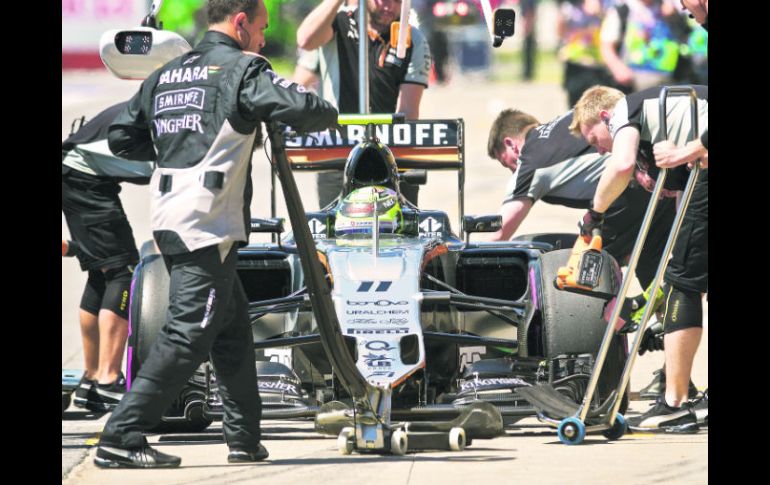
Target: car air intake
264 279
502 276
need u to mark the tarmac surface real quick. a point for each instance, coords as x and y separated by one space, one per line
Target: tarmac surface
529 452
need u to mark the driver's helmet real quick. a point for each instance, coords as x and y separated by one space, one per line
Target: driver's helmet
370 163
355 213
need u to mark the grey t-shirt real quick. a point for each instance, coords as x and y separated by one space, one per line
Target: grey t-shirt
556 166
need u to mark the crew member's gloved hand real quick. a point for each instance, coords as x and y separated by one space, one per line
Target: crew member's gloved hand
636 315
591 220
652 339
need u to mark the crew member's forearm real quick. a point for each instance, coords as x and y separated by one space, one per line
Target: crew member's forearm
411 110
692 151
506 231
409 97
668 155
513 214
613 182
315 30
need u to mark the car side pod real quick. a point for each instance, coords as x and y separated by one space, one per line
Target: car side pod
573 423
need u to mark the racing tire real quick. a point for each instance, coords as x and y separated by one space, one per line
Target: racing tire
147 309
574 324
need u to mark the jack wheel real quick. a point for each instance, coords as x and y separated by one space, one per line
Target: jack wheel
399 442
571 431
346 440
618 428
457 439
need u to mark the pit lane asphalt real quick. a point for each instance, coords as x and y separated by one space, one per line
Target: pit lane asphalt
530 453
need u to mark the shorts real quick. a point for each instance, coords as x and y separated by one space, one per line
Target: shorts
96 221
107 291
689 265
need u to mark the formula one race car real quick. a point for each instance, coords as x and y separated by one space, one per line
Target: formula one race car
440 327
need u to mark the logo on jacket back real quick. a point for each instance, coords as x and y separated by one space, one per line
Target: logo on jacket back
173 125
179 99
187 74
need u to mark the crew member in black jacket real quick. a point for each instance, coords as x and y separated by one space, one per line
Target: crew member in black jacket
198 116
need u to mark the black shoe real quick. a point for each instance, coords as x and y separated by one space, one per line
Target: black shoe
662 417
109 395
144 457
85 395
239 455
654 388
701 408
658 386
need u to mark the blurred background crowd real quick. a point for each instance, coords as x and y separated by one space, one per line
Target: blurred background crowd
628 44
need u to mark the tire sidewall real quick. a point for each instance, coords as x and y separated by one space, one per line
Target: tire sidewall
148 307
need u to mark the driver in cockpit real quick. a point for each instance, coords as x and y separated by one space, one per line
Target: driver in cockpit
355 213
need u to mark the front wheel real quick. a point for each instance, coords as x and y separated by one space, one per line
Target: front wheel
147 310
574 324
